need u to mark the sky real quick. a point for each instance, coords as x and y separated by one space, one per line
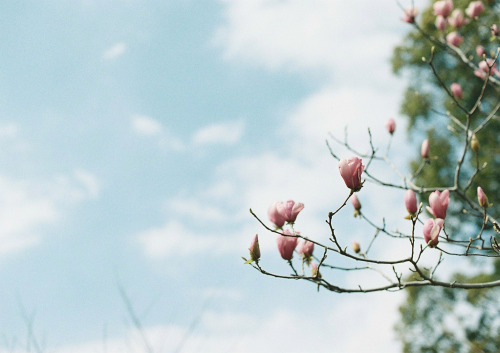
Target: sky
136 135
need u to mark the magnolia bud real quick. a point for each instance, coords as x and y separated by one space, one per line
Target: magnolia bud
390 125
411 202
480 51
482 198
350 170
356 247
456 89
441 23
356 204
494 30
454 39
254 249
424 150
474 143
314 270
474 9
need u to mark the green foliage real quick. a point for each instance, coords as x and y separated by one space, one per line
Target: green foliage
437 319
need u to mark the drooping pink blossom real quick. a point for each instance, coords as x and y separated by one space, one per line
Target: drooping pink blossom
443 7
409 15
454 38
424 150
441 23
431 230
457 19
355 202
390 125
411 202
488 66
254 248
350 170
275 216
305 248
289 210
438 203
474 9
286 245
456 89
494 30
482 198
480 51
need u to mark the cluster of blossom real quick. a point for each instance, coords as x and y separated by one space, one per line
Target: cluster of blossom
447 16
281 213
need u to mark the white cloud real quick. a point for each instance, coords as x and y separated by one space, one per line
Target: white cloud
144 125
115 51
227 133
342 37
174 239
27 207
8 130
196 209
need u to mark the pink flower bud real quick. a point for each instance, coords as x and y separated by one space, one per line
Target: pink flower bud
494 30
289 210
457 19
454 39
488 66
254 248
480 51
351 170
424 150
438 202
482 198
314 270
275 216
443 8
456 89
409 15
431 230
286 245
305 248
411 202
355 202
390 125
441 23
474 9
356 247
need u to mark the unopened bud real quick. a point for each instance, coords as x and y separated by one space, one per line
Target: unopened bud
482 198
254 249
356 247
314 270
424 150
474 143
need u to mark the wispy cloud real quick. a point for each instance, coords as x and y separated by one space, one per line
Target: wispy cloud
227 133
145 125
115 51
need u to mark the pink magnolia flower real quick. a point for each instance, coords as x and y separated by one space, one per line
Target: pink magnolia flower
443 8
438 202
355 202
482 198
431 230
474 9
286 245
254 248
424 150
456 89
441 22
457 18
351 170
485 65
289 210
306 248
390 125
411 202
409 15
275 216
480 51
454 39
494 30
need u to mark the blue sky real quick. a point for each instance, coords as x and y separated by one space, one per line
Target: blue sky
135 137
